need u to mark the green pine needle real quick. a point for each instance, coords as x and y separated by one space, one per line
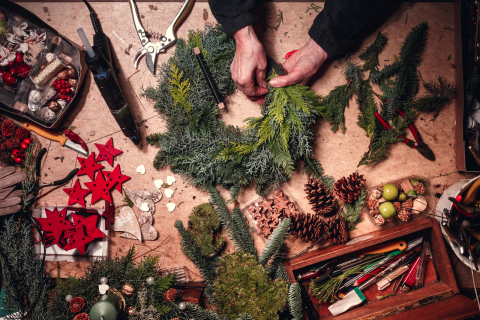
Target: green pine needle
351 213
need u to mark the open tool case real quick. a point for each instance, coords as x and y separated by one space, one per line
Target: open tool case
17 98
416 304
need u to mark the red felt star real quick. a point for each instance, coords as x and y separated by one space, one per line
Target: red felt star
108 215
100 188
116 176
78 240
87 225
107 152
76 194
55 223
88 166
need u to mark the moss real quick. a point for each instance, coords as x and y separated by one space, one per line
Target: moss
243 285
204 228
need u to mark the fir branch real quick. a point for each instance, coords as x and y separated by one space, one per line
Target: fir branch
367 107
313 168
351 212
295 301
371 53
275 242
438 96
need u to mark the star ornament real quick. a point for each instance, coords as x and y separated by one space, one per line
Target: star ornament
76 194
116 176
107 152
109 215
88 225
56 224
100 188
88 166
78 240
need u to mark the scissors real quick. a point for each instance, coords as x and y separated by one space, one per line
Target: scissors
149 49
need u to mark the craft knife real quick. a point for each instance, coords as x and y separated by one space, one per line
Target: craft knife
64 142
359 239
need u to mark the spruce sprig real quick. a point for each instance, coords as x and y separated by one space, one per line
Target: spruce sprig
275 242
295 301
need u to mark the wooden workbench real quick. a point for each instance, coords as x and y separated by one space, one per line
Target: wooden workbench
338 153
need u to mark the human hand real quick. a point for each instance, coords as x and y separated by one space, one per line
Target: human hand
301 65
249 65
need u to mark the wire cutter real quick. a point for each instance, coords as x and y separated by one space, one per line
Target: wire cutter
151 50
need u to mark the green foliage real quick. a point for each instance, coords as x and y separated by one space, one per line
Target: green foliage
437 97
204 228
127 201
352 214
200 147
118 271
370 54
313 168
243 286
275 242
367 107
295 301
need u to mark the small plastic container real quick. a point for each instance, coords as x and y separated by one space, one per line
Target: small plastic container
428 195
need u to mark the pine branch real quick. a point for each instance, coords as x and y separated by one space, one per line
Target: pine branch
351 214
275 242
437 97
313 168
371 53
367 107
295 301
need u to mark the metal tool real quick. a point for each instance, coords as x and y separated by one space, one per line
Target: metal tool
452 237
359 239
64 142
419 145
151 50
420 276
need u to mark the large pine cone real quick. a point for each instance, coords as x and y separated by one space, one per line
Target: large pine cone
338 229
320 197
10 144
307 227
8 128
349 188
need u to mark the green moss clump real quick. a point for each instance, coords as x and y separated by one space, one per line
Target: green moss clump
243 285
204 228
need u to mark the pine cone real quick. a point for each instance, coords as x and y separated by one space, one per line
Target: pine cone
376 194
419 188
338 229
404 215
10 144
379 220
374 212
82 316
397 206
22 133
373 204
349 188
8 128
170 295
307 227
407 204
320 197
6 157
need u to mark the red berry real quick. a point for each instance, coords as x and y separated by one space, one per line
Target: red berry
18 159
63 85
24 155
17 152
63 97
62 81
19 57
11 64
58 87
55 97
62 91
68 91
13 71
67 85
69 98
27 141
24 146
23 70
7 77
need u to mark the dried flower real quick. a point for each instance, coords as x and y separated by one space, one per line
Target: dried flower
77 304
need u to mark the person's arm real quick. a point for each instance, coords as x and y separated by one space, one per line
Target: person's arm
234 14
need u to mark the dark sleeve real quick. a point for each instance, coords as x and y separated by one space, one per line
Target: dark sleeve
234 14
338 26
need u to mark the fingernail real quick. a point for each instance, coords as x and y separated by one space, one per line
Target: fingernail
273 83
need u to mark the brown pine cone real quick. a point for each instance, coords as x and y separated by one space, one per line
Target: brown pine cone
404 215
407 204
10 144
419 187
338 229
8 128
320 197
397 206
379 220
376 194
373 204
76 304
307 227
349 188
22 133
170 295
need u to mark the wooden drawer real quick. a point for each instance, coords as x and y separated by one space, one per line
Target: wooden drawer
435 289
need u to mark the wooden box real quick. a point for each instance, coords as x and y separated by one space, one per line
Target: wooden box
417 304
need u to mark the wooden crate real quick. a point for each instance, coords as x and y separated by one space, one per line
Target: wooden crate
435 289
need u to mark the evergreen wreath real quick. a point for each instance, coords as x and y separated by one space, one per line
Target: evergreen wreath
200 146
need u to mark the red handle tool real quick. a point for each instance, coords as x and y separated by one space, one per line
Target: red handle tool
407 141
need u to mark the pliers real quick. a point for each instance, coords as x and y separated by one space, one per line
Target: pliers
419 145
149 49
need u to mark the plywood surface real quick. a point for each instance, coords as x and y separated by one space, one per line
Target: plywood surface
338 153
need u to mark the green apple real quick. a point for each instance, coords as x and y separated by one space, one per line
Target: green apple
412 193
402 197
387 210
390 192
